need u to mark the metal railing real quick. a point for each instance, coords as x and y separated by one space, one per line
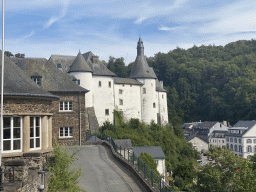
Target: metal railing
127 154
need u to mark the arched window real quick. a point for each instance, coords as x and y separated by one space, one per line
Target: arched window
249 148
231 146
227 139
227 146
235 140
235 147
249 141
239 140
231 139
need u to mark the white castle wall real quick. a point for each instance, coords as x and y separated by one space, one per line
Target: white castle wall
85 82
103 98
131 100
148 112
162 107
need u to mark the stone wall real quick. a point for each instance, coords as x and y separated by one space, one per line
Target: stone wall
26 177
70 119
29 105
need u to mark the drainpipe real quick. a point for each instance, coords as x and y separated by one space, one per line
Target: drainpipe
79 108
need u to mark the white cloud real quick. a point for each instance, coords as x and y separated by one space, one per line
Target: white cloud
26 36
63 13
165 28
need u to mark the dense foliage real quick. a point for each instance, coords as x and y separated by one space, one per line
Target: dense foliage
208 83
150 161
63 177
226 173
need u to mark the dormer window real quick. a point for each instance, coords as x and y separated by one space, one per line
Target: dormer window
59 66
37 78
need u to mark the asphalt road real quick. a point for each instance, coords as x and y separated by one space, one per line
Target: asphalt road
102 173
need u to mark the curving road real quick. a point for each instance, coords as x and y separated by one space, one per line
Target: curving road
102 173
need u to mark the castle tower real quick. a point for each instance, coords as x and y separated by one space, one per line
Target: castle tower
144 74
83 73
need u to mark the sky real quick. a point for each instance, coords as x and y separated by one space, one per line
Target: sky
41 28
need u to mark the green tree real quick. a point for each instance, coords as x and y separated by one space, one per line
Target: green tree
226 173
8 53
63 177
150 161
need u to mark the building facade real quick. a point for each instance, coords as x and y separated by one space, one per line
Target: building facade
241 138
140 96
28 111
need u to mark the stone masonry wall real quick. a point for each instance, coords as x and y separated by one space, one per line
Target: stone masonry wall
30 105
70 119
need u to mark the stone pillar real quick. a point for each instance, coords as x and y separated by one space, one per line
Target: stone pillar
26 133
44 132
49 132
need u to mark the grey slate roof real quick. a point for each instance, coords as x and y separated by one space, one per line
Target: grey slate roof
155 151
79 65
159 87
248 124
53 80
206 125
245 124
17 83
98 68
141 68
204 138
92 138
124 143
120 80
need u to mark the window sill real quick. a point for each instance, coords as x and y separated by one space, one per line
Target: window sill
66 138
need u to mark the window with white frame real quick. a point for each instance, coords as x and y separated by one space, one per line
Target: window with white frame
35 133
66 106
12 129
66 132
249 141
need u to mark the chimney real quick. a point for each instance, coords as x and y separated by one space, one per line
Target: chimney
162 83
95 59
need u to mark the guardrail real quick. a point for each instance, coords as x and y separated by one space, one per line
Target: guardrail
128 155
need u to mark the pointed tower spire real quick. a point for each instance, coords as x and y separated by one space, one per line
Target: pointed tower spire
140 68
79 64
140 48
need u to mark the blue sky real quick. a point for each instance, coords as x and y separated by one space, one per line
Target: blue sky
40 28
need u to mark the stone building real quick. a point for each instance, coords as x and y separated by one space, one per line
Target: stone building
140 96
27 114
70 119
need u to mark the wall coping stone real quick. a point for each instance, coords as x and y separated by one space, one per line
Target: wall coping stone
28 114
16 162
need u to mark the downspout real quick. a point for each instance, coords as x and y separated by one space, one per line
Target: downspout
79 108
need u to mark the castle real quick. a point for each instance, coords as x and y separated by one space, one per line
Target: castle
140 96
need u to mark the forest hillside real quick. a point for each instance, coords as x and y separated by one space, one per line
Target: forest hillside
207 83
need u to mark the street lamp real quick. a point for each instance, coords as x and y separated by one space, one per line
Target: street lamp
41 184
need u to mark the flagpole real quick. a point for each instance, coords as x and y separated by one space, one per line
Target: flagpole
2 94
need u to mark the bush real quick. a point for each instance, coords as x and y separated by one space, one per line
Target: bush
63 177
